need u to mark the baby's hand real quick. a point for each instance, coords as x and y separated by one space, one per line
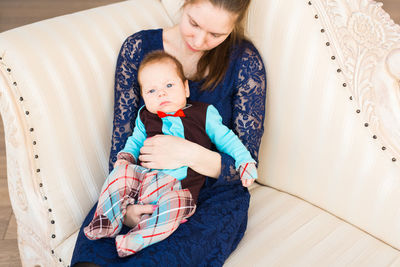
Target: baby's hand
124 158
248 173
121 162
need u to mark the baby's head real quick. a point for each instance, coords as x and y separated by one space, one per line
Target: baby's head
162 82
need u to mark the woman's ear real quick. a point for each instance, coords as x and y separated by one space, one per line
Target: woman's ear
187 89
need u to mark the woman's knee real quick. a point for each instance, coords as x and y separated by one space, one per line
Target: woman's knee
85 264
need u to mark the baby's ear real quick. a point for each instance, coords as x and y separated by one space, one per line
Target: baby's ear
187 89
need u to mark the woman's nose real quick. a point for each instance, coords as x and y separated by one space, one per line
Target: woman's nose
199 39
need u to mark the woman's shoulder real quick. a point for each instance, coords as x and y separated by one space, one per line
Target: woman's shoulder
149 38
248 63
245 50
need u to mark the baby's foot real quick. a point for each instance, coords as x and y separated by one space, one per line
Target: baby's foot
129 244
101 227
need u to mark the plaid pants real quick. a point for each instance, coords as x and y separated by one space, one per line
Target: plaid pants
130 184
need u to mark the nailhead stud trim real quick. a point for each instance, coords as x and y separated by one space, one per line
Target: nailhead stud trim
345 84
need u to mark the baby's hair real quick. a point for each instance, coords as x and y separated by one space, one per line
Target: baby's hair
161 56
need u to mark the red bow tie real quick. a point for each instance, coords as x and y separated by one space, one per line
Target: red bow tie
179 113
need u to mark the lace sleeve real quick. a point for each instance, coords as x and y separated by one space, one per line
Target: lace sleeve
248 110
126 98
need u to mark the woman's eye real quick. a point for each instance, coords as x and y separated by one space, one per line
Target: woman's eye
169 85
194 24
215 35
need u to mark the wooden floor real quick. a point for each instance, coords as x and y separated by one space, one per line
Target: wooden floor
14 13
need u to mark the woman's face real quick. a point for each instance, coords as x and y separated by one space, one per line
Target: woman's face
204 26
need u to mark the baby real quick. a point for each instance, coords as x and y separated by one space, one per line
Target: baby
174 192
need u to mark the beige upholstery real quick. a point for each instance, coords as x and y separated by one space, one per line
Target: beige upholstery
329 193
286 231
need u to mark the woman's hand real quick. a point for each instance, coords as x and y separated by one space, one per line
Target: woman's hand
171 152
164 152
135 212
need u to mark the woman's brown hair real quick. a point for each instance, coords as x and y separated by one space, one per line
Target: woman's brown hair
216 60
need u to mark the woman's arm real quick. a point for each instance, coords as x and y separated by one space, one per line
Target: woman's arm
171 152
248 109
204 161
126 93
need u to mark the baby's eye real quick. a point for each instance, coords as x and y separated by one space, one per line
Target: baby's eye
151 91
169 85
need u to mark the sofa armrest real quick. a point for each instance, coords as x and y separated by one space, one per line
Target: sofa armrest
56 92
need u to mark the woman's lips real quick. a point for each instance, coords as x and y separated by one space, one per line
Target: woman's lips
191 48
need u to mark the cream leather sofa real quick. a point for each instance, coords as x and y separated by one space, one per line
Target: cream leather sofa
329 187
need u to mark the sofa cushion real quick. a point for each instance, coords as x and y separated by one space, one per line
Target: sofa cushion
284 230
66 248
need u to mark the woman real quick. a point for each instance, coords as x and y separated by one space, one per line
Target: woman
224 70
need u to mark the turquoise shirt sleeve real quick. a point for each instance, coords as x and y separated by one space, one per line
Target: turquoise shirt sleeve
135 141
225 139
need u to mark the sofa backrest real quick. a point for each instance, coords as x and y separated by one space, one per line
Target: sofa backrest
60 73
332 129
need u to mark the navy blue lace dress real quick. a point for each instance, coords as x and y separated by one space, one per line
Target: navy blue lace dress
218 225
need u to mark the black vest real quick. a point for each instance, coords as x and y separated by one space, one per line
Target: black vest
194 124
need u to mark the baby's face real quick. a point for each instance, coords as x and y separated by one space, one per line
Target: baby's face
162 88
